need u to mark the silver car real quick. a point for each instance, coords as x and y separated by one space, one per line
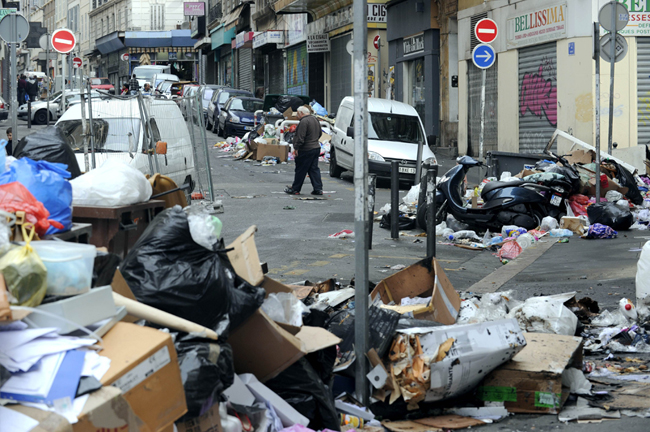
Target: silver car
39 108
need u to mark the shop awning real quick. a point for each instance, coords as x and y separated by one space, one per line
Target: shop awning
230 20
221 36
148 39
110 43
317 8
182 38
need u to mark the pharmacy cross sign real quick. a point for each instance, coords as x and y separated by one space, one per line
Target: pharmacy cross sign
486 30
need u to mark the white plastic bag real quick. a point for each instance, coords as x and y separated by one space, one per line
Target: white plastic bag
205 229
112 184
285 308
546 315
413 195
549 223
643 281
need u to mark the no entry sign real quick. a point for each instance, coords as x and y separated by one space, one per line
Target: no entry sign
486 30
77 62
63 41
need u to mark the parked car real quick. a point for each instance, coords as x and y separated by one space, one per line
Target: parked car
39 108
144 74
189 91
4 112
160 77
164 89
395 132
219 99
236 117
102 84
208 91
118 134
176 89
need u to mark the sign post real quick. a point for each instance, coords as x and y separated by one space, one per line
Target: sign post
484 56
380 74
44 42
14 29
63 41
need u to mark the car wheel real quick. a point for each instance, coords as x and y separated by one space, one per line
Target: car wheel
335 170
40 117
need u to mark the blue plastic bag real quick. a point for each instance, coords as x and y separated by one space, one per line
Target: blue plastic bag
600 231
3 154
318 108
47 182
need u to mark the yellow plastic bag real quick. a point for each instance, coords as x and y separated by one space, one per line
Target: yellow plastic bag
25 274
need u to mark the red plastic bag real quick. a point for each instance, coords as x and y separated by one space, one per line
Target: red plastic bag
510 250
579 204
292 128
15 197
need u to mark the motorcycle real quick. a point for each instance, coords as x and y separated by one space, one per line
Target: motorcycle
522 203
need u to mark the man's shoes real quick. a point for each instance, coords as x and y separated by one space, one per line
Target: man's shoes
317 192
289 190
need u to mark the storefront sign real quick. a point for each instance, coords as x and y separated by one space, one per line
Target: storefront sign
267 37
296 26
639 18
376 13
414 44
194 9
318 43
173 56
328 23
239 40
538 26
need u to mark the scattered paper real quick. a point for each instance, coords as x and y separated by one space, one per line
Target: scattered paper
13 421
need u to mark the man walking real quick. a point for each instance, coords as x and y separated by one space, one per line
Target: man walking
307 150
134 86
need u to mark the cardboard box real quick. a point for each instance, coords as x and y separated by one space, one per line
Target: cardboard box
289 114
210 421
579 156
280 345
145 368
532 381
279 151
526 173
422 279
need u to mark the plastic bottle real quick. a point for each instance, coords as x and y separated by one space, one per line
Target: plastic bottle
643 277
446 232
525 240
627 309
561 233
463 235
229 423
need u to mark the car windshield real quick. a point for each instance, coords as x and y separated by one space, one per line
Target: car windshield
207 94
54 96
100 81
393 127
247 105
111 134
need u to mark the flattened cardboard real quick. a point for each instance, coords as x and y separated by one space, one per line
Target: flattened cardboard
244 258
107 409
144 364
279 151
579 156
422 279
48 420
210 421
532 381
451 421
408 426
324 138
289 114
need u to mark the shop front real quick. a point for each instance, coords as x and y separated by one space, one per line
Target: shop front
222 47
269 62
242 47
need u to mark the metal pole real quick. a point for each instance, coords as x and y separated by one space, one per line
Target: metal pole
394 200
29 113
432 172
418 163
47 74
62 101
372 188
360 26
205 145
14 90
481 135
612 60
84 128
92 134
379 74
597 58
69 73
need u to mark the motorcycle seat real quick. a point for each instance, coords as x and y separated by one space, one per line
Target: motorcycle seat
489 187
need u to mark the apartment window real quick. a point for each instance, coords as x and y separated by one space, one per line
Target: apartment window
126 19
102 27
157 17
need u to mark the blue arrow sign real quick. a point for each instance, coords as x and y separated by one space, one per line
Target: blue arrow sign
483 56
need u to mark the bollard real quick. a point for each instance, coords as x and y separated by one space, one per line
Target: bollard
372 188
394 200
432 172
29 114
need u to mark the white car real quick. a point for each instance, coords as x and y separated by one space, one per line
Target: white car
39 108
118 132
395 132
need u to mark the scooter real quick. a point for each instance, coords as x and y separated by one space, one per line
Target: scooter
505 203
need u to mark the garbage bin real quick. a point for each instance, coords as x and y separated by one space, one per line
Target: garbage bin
512 162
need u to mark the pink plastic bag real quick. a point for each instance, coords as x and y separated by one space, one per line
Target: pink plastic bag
510 250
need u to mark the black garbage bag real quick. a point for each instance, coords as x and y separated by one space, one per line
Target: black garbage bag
300 386
207 370
626 179
572 176
245 299
405 222
104 268
166 269
287 101
608 213
49 144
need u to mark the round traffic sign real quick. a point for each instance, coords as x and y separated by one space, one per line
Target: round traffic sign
486 30
375 41
77 62
10 34
620 48
621 16
125 57
43 42
63 41
483 56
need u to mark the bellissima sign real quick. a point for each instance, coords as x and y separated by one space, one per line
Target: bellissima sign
537 26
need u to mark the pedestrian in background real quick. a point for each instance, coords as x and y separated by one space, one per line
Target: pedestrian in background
22 89
9 148
134 86
307 148
125 90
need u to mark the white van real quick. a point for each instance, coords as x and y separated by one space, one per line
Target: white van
395 132
119 135
144 74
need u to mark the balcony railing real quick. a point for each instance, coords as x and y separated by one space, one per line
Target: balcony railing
215 13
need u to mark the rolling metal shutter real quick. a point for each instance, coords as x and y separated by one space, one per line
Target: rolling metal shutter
490 141
537 96
341 68
245 69
643 89
276 73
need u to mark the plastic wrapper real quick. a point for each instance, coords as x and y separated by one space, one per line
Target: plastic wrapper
207 370
491 307
546 315
626 179
204 228
15 197
412 196
24 273
549 223
578 204
405 223
510 250
300 386
49 144
47 182
112 184
613 196
609 214
166 269
600 231
643 280
285 308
